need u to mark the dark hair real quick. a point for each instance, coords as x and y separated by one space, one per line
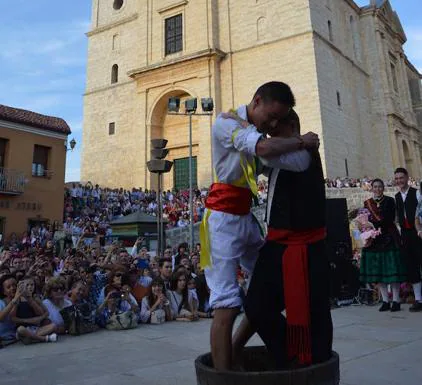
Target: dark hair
2 281
377 180
401 170
173 286
162 261
291 117
420 186
184 245
276 92
155 282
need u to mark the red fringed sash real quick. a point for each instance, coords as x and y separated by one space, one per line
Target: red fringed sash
229 199
296 288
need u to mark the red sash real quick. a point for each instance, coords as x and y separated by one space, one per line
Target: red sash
296 288
407 225
229 199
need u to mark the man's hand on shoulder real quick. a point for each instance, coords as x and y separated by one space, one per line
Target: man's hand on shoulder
310 141
233 115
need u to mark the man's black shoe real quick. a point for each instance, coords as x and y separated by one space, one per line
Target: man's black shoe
395 307
417 306
385 306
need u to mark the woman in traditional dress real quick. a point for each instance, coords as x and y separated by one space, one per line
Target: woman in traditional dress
381 261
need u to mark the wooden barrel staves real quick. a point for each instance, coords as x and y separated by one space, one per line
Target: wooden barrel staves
255 362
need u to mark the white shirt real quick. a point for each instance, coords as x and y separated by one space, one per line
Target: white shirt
404 194
54 311
229 140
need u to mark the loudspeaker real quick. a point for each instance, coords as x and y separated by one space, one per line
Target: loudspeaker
339 243
344 280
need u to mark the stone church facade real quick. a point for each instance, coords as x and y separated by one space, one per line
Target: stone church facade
346 65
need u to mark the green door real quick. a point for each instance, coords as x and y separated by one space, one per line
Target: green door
181 173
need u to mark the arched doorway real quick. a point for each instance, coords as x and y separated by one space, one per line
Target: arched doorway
407 158
176 130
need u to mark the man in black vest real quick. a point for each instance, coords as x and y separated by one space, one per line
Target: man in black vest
292 271
406 202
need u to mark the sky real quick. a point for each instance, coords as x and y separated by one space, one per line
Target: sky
43 53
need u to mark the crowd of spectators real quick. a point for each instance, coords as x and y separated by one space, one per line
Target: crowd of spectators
50 288
77 280
105 204
363 183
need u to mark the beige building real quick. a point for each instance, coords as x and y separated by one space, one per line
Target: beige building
32 169
346 65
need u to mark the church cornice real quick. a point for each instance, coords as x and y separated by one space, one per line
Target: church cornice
168 63
112 25
412 67
340 52
399 117
172 6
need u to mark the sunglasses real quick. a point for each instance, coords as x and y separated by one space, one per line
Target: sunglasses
60 288
118 275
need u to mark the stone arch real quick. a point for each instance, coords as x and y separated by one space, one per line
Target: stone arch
173 128
408 159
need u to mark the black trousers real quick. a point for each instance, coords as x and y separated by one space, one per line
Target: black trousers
265 302
412 251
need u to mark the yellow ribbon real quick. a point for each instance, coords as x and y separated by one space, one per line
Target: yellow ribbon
204 238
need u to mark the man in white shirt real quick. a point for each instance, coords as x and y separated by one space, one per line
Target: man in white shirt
407 199
229 234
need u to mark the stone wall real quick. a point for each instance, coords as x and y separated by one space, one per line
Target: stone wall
355 198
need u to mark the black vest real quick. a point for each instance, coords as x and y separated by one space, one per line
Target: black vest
409 205
299 198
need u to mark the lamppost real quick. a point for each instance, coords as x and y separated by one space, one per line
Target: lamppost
190 110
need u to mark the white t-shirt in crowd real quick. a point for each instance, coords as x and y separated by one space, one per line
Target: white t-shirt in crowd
54 311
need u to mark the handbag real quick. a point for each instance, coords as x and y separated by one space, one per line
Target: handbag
122 321
78 319
158 317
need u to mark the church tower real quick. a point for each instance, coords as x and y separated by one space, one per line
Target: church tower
345 64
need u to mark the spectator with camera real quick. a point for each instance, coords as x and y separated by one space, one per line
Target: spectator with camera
155 307
9 299
31 317
118 311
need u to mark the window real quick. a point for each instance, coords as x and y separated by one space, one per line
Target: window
40 160
173 34
338 99
181 173
394 75
115 44
114 74
111 128
330 30
261 25
3 144
117 4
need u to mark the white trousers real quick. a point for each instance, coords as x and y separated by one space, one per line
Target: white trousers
234 240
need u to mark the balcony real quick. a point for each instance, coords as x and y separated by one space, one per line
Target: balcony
12 182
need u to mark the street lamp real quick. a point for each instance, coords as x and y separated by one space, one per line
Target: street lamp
72 145
191 106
